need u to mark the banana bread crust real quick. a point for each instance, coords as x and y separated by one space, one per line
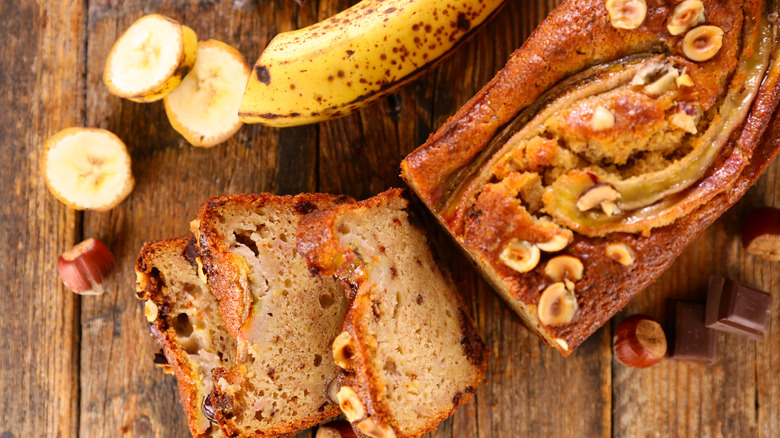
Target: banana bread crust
576 35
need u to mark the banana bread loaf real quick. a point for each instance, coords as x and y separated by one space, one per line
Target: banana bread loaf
184 318
284 317
610 140
409 351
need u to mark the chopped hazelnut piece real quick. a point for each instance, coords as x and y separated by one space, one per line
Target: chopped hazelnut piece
350 404
685 80
564 267
342 351
664 83
621 253
564 345
685 122
557 243
686 15
557 305
626 14
602 119
150 311
520 255
702 43
596 195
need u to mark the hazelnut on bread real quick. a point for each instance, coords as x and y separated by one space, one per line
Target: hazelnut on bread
627 140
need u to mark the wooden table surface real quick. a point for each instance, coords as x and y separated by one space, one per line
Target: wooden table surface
82 366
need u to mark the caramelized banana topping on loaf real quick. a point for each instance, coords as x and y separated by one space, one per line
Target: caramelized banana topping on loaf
597 133
284 317
409 351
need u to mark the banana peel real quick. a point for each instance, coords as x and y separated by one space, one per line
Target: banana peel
347 61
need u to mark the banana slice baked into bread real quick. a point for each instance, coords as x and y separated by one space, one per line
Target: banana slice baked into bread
409 350
610 140
184 318
284 317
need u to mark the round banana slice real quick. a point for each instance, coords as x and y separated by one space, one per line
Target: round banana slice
150 59
204 108
87 169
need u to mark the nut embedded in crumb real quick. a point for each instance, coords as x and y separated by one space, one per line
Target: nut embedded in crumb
703 43
150 311
602 119
350 404
342 350
557 243
686 15
564 267
621 253
595 195
626 14
557 305
520 255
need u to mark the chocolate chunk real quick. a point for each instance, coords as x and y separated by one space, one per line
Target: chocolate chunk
738 309
691 340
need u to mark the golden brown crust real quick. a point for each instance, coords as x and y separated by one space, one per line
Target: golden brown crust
229 284
150 286
575 36
318 242
228 279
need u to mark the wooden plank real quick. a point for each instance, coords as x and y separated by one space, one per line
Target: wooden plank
122 392
736 396
41 78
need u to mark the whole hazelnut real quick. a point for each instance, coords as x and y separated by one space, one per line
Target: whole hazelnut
84 267
639 342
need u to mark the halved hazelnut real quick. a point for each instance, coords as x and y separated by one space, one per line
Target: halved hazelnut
342 351
564 267
557 305
557 243
702 43
621 253
151 311
350 404
686 15
602 119
520 255
370 428
626 14
595 195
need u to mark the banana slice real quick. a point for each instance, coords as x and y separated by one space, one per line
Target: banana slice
87 169
150 59
204 108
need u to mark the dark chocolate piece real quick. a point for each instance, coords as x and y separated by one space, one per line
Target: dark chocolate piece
691 339
738 309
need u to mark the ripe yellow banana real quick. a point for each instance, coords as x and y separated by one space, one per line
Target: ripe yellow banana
334 67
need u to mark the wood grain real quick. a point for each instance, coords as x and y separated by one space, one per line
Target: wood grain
41 88
74 366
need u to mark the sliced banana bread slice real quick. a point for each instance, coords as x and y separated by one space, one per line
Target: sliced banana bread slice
410 352
283 316
184 318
